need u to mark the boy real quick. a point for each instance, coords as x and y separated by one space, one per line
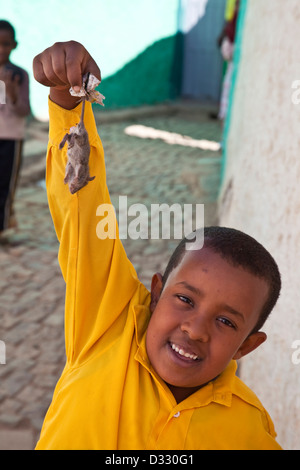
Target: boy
14 107
148 371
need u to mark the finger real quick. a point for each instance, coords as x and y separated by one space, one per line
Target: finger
39 73
79 62
64 64
46 65
74 74
51 67
58 65
93 68
74 63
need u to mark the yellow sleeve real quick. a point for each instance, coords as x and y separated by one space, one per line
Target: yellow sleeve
229 10
100 280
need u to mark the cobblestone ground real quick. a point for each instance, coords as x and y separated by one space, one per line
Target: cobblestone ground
31 286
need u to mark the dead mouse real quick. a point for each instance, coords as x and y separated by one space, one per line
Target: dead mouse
77 170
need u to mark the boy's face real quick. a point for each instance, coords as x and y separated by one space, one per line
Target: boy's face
7 44
202 319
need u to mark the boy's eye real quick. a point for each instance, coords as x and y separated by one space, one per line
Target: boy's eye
226 322
184 299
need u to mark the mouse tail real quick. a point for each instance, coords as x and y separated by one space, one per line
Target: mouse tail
82 109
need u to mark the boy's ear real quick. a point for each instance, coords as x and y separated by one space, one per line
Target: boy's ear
156 287
250 343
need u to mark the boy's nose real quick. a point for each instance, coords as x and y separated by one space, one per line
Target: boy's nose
196 328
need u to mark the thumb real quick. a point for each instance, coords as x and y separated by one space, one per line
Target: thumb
75 73
76 88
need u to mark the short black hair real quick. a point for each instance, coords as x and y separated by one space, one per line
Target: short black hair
240 250
8 27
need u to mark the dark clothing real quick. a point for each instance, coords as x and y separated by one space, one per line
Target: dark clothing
10 163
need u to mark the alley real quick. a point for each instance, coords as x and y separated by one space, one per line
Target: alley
147 171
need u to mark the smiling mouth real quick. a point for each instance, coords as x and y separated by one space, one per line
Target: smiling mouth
184 354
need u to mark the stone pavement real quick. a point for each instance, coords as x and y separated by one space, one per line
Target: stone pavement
31 286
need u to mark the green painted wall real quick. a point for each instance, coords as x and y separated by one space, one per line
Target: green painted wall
121 36
237 58
153 76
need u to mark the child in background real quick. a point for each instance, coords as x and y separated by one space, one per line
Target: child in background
148 370
13 110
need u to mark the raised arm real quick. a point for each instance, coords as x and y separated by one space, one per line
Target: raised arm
100 281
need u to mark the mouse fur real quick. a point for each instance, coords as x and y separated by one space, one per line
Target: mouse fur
77 169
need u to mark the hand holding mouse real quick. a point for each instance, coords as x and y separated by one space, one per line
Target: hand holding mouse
62 66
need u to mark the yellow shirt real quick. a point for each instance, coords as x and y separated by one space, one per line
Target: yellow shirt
108 396
230 9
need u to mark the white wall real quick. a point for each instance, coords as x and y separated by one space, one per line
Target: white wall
261 193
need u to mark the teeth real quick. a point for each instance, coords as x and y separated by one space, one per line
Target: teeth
183 353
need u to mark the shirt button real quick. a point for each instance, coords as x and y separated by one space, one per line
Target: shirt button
176 415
